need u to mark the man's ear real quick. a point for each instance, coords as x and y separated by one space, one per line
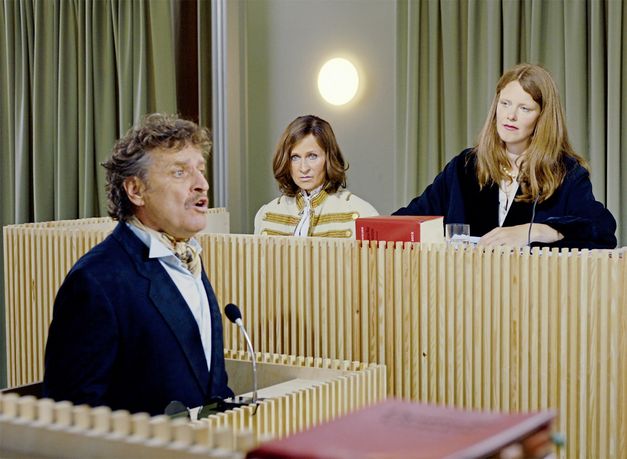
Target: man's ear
135 187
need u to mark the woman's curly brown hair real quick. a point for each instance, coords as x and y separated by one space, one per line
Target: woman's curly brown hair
130 157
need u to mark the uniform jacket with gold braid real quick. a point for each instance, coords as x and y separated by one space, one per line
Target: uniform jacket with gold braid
333 215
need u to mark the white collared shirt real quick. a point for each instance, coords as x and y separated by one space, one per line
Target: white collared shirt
191 288
302 229
507 194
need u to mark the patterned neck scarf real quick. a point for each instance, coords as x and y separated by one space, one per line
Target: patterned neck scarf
182 250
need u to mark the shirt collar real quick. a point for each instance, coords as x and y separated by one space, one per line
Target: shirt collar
156 248
317 197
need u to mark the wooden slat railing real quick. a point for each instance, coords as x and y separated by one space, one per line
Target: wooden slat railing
477 328
42 428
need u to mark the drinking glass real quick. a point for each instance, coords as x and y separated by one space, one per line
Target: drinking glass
457 233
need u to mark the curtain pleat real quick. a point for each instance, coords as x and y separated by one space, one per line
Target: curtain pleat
205 107
616 153
452 54
74 76
67 120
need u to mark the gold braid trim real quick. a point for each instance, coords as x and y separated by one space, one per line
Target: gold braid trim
337 233
315 202
342 217
281 218
269 232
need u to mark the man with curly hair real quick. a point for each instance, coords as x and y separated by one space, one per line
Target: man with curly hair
136 323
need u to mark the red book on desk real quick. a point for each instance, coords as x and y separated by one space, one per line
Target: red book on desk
400 228
398 429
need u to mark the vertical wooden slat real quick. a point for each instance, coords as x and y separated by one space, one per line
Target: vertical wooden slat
414 305
364 310
524 342
504 302
384 314
373 322
39 303
343 305
394 300
323 299
534 288
593 377
515 331
352 315
284 325
605 424
333 322
24 306
405 294
430 327
619 342
493 260
583 345
254 302
300 298
554 320
315 304
11 286
567 314
456 298
574 314
280 320
425 351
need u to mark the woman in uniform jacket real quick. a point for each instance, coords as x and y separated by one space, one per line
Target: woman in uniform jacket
311 174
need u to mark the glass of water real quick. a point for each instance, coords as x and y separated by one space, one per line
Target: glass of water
457 233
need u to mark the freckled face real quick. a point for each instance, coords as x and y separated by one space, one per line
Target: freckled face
173 198
516 117
307 164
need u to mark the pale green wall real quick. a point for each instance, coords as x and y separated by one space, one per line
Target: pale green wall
284 44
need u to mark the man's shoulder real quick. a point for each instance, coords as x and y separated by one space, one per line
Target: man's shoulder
105 255
109 252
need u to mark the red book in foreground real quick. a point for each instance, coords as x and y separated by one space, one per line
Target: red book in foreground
402 228
398 429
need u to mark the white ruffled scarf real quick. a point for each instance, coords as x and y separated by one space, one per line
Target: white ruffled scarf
302 229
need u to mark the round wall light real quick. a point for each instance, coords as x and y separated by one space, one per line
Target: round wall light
338 81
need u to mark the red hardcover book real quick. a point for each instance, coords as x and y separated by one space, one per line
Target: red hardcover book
398 429
400 228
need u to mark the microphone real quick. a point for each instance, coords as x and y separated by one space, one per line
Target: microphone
234 315
176 409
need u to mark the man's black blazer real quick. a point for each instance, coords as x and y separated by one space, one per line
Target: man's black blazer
123 336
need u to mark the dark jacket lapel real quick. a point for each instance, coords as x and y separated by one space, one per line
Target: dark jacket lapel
167 299
218 375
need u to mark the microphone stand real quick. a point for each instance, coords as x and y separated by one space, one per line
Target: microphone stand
251 351
234 315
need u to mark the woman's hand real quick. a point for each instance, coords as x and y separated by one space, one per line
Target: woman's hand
518 236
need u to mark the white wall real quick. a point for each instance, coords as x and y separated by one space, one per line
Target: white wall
282 45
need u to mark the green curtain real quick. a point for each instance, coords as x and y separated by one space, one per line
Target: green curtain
451 54
74 76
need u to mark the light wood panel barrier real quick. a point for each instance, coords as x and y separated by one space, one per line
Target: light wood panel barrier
476 328
43 428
